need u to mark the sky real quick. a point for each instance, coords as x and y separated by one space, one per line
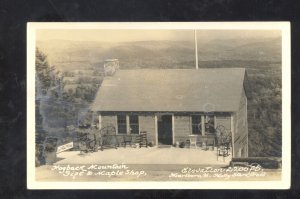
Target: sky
148 35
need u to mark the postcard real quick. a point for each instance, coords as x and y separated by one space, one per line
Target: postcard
186 105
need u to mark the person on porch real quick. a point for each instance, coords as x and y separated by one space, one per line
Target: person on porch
209 125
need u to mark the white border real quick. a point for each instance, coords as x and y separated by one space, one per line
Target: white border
284 183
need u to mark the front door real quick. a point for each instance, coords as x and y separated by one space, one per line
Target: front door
164 125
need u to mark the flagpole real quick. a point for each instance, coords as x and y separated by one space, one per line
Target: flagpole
196 49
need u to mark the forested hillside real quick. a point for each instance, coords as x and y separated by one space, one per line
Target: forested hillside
79 64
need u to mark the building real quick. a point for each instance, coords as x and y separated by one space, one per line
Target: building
110 66
172 104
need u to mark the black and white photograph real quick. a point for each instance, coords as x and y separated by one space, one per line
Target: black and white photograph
158 105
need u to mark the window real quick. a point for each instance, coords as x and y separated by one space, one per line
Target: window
122 127
196 124
134 124
128 124
209 124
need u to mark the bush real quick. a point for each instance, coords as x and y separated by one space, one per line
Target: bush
150 144
182 145
50 145
39 158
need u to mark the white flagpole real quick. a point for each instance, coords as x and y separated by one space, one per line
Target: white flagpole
196 49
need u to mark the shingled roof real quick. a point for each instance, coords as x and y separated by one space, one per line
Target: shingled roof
174 90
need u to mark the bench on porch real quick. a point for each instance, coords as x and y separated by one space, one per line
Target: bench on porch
133 139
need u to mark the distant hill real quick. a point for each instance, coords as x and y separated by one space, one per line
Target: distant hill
70 55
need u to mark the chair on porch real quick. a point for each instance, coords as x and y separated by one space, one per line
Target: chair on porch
193 140
143 139
127 139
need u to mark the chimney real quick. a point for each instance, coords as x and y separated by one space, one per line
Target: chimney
110 66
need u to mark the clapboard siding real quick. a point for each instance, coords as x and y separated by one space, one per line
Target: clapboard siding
241 129
108 120
147 123
224 121
182 128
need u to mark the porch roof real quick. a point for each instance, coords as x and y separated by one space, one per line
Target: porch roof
188 90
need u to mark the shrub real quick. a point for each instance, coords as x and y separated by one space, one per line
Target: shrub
39 158
150 144
182 145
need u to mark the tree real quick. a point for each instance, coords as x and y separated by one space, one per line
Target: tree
49 100
43 71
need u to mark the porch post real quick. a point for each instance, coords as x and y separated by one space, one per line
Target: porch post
232 133
116 123
202 125
156 131
127 125
215 121
173 129
100 118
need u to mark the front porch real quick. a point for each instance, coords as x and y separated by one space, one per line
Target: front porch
150 155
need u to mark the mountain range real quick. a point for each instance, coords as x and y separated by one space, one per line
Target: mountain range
68 55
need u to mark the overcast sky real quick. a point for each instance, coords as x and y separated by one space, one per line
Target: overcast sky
146 35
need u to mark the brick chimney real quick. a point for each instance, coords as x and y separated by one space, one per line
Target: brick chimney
110 66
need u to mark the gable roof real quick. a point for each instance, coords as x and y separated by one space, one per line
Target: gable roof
188 90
